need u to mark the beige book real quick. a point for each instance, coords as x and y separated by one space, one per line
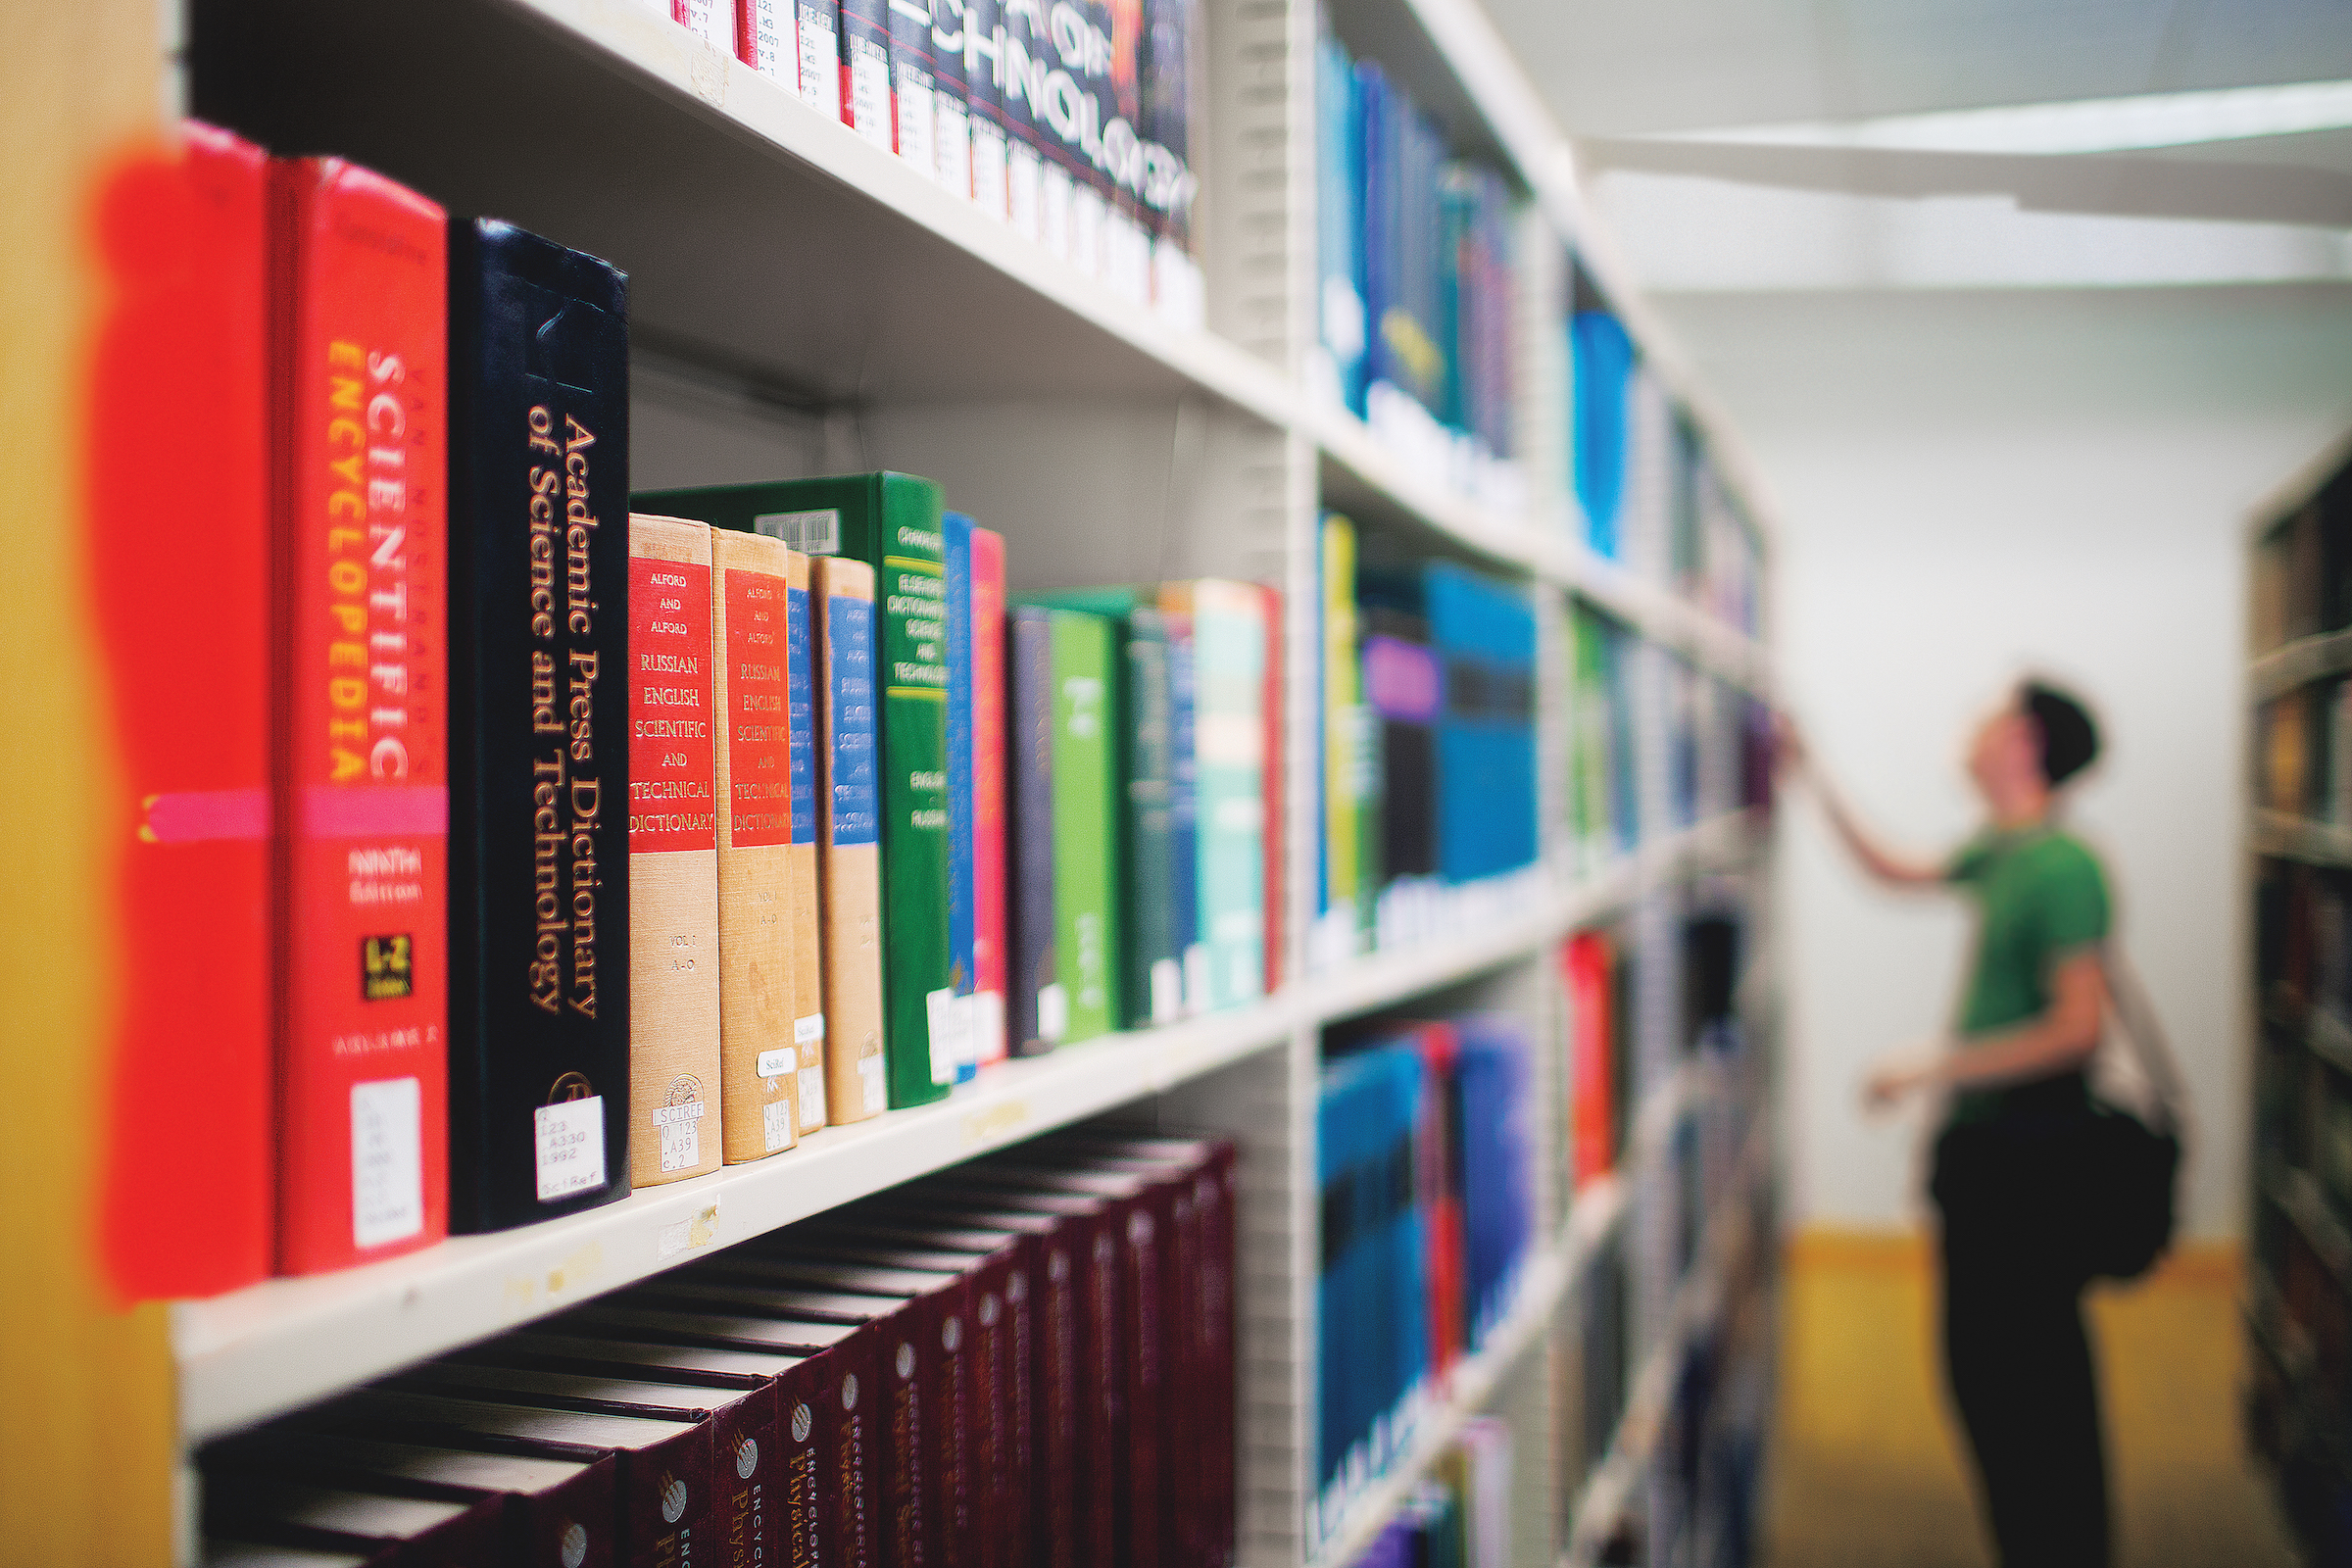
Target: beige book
800 880
759 1065
848 852
675 1099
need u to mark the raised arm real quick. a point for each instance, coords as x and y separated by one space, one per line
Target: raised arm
1887 866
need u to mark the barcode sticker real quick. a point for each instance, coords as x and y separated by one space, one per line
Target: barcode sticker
567 1141
812 1097
945 1020
1053 1013
387 1161
870 1085
777 1117
681 1131
1167 991
812 534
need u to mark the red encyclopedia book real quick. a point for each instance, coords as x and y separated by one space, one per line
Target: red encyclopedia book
359 347
189 1202
1586 963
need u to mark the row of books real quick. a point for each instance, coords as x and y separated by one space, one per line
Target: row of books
1425 1177
466 934
1460 1516
1025 1362
2303 753
2303 1078
1075 122
1416 282
1429 776
2302 569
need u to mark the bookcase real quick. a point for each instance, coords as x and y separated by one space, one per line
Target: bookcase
805 303
2299 859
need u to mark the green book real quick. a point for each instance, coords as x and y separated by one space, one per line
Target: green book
1151 965
1086 881
892 522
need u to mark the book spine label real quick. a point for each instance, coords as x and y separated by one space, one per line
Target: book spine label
673 855
1229 738
1086 934
195 867
849 847
539 1033
800 856
751 688
984 100
818 36
962 838
711 21
911 592
764 41
913 85
989 934
1037 1005
865 81
950 110
1153 982
363 801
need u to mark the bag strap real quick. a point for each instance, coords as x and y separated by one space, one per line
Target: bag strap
2128 998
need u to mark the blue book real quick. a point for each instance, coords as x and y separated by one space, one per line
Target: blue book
1339 1317
957 540
1377 176
1484 635
1339 215
1184 811
1492 1071
1602 356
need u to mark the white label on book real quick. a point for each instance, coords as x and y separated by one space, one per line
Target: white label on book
988 1027
943 1019
1054 211
967 1033
811 533
387 1161
870 1085
1167 991
567 1146
773 45
1024 194
1053 1013
681 1131
869 92
953 128
821 61
987 167
1195 977
712 22
917 142
808 1029
776 1064
776 1118
1089 219
812 1096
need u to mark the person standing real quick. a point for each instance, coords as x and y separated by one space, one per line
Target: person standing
2016 1352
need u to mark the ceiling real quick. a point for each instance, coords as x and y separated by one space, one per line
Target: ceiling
1825 291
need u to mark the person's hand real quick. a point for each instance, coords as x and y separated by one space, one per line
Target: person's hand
1787 743
1895 1079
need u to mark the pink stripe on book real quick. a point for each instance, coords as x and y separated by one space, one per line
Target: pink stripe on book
202 816
408 810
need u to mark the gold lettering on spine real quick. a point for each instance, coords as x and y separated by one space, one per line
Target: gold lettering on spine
366 564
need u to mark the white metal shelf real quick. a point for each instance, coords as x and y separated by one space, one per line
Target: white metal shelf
2298 838
269 1348
768 242
2299 663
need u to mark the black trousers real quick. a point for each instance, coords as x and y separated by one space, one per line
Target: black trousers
2020 1372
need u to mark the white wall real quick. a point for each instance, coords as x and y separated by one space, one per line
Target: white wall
1969 491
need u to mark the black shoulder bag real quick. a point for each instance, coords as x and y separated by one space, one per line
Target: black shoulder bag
2097 1189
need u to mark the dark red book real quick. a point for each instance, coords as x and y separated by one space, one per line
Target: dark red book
559 1512
741 1413
661 1467
375 1528
823 1408
360 799
188 1203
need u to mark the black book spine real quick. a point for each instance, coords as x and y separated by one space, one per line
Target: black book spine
538 815
1036 975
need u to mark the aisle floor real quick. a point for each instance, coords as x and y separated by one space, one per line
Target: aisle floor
1867 1468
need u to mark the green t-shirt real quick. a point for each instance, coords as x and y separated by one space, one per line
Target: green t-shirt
2041 898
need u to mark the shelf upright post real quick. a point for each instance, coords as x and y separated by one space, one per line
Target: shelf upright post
86 1388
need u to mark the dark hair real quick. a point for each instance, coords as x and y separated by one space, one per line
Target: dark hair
2070 737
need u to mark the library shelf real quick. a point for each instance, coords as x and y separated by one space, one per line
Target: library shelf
2329 1037
2297 838
2299 663
1697 1303
268 1348
712 185
2307 1208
